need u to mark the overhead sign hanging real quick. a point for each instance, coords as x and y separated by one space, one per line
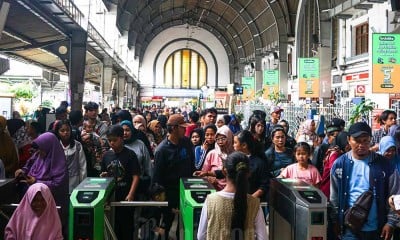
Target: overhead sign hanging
385 63
309 77
248 84
270 82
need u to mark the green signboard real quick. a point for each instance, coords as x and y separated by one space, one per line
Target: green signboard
249 91
270 82
309 77
385 63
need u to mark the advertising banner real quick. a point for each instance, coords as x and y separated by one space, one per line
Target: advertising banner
270 82
249 86
309 77
385 63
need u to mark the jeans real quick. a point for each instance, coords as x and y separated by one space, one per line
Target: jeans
349 235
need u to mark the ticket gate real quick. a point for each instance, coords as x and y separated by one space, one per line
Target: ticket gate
193 193
298 211
87 217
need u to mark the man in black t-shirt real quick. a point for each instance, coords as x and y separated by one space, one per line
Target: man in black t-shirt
122 164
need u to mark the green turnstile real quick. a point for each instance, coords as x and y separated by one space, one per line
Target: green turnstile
193 193
86 212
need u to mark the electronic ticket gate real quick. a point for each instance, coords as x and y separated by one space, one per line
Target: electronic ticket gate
298 211
193 193
86 212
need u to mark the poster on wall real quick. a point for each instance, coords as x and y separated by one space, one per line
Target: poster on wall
249 91
270 82
309 77
385 63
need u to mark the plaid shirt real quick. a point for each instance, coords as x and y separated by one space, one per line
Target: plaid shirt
378 135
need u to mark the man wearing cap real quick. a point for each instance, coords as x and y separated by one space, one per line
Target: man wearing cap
275 113
350 177
92 113
173 159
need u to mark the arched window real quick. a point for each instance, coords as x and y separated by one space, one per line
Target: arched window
185 68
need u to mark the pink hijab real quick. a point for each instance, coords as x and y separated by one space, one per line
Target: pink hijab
25 224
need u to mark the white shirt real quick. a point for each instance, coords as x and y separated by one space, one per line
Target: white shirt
259 222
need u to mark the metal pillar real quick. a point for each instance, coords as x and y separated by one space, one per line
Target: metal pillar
77 68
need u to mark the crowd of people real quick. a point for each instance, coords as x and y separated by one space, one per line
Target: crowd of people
153 148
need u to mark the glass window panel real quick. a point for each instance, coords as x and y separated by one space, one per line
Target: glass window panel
177 70
194 71
168 72
185 68
202 73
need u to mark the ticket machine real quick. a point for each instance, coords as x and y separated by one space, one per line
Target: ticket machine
88 201
193 193
298 211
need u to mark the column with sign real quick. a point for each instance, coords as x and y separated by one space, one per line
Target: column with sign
309 77
385 63
270 82
248 84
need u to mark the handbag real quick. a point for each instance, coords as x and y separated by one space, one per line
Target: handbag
357 215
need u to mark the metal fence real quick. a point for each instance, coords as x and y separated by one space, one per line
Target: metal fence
296 114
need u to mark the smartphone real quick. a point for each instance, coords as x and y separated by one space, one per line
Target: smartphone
396 202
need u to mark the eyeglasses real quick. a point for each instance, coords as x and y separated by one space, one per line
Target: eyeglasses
221 139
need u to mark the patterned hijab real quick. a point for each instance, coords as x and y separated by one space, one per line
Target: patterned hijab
25 224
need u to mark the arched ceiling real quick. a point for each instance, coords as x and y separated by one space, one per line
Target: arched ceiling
246 28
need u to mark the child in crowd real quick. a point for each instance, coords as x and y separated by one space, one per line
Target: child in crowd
302 170
232 213
122 164
197 137
73 150
93 147
201 151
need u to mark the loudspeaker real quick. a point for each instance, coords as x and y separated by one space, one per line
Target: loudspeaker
252 65
395 5
315 38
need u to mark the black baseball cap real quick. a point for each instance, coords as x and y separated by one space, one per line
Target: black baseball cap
360 128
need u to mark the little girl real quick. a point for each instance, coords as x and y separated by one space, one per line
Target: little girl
302 170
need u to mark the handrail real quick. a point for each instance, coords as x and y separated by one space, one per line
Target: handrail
72 10
139 203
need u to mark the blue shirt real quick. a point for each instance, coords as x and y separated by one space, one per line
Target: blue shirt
359 183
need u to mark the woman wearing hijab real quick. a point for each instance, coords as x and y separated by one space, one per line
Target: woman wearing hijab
49 166
214 159
136 145
36 217
307 133
8 152
234 124
155 128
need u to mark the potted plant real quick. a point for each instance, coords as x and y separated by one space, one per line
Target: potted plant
361 111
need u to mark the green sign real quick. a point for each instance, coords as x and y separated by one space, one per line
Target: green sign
385 63
309 77
248 84
271 77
